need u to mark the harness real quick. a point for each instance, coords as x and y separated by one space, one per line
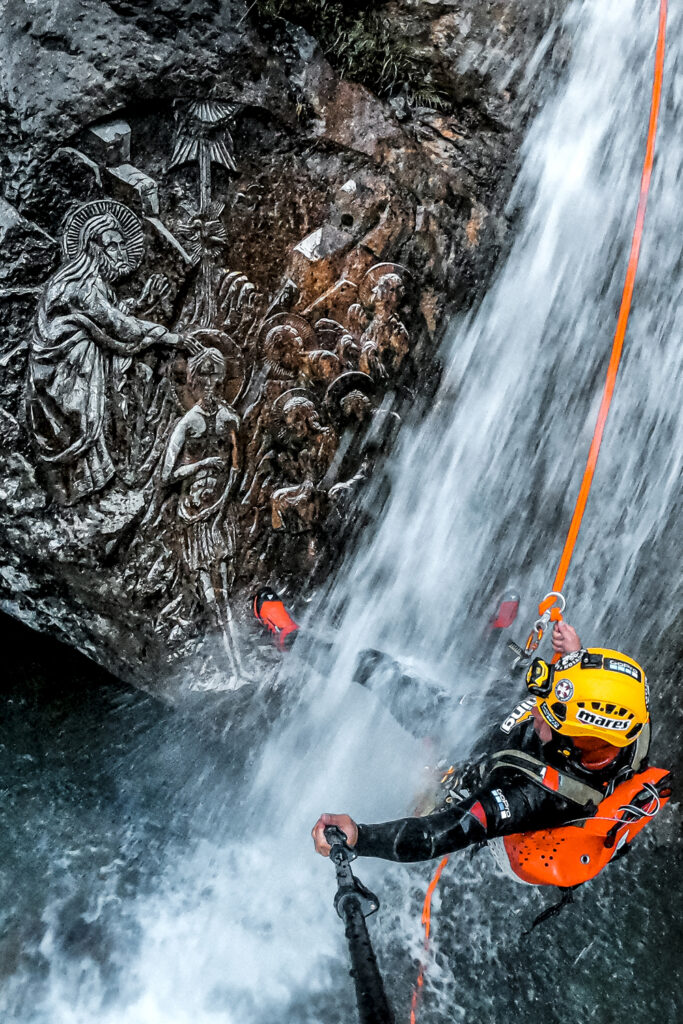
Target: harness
562 783
545 775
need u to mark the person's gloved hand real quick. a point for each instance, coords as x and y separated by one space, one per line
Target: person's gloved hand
342 821
565 638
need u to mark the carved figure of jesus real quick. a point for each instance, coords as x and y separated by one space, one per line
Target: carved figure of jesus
203 458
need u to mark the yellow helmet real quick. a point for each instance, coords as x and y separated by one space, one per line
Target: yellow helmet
598 693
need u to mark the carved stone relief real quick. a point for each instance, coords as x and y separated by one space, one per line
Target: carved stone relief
239 424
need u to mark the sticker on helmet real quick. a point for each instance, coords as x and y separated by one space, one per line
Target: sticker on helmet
501 801
588 718
647 693
568 661
623 666
517 714
549 716
564 690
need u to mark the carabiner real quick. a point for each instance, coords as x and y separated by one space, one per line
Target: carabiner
550 610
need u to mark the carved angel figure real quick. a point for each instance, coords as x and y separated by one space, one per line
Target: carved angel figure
385 343
309 448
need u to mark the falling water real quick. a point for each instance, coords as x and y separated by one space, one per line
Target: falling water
228 917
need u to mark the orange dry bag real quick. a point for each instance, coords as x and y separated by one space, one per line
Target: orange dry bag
572 854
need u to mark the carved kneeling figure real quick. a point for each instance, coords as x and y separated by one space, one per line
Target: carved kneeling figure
295 508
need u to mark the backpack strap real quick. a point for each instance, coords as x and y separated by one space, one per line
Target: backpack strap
546 776
642 747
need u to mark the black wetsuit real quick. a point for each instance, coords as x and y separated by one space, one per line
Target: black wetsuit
511 801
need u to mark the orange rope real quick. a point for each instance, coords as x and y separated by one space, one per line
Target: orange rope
426 921
617 346
624 310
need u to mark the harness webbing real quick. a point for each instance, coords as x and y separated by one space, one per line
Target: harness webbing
570 789
608 392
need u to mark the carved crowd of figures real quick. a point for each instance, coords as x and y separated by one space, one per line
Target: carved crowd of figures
244 425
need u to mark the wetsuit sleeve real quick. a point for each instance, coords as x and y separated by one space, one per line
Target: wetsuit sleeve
512 804
411 839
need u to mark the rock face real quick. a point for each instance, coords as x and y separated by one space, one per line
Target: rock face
224 271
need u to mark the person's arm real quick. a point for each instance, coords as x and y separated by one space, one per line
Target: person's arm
171 470
407 839
235 466
516 805
414 839
117 330
126 328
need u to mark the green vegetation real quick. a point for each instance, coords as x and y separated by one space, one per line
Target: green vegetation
362 45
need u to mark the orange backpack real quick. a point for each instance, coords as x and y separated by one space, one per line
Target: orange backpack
569 855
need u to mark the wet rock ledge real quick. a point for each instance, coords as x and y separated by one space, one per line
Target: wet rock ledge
231 236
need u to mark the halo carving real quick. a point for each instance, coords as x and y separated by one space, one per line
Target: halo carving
234 359
129 224
301 326
373 276
281 401
353 380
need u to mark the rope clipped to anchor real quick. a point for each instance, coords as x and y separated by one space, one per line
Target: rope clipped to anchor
622 321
